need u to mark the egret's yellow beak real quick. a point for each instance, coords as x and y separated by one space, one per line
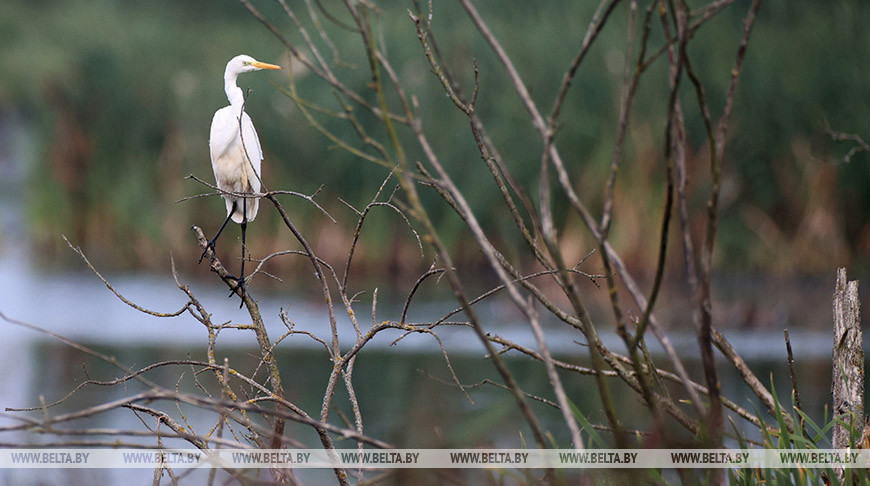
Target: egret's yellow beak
264 65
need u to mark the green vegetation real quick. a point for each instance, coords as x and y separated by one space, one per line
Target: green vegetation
118 97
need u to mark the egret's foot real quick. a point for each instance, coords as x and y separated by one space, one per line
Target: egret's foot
209 245
240 286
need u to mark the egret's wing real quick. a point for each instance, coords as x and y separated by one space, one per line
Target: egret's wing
224 129
254 151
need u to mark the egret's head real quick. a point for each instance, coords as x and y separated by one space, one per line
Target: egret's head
244 64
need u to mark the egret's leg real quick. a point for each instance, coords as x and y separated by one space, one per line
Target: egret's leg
244 255
241 280
213 240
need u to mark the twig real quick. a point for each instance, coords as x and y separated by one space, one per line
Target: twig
118 294
860 144
307 197
796 396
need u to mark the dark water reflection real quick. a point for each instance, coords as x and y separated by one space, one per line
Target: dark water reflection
407 398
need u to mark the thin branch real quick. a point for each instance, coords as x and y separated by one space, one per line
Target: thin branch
118 294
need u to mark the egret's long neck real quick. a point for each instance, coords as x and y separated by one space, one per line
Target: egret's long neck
234 93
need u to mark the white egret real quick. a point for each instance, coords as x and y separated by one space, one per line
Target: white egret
236 155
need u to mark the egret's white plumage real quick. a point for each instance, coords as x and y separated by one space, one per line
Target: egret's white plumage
235 156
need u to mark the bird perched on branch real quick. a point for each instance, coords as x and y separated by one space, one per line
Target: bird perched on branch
236 156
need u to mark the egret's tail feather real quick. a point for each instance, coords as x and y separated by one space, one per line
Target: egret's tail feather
251 204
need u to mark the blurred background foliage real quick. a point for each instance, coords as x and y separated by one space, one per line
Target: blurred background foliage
109 103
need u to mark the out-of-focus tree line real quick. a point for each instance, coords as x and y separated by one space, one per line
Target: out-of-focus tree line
116 98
